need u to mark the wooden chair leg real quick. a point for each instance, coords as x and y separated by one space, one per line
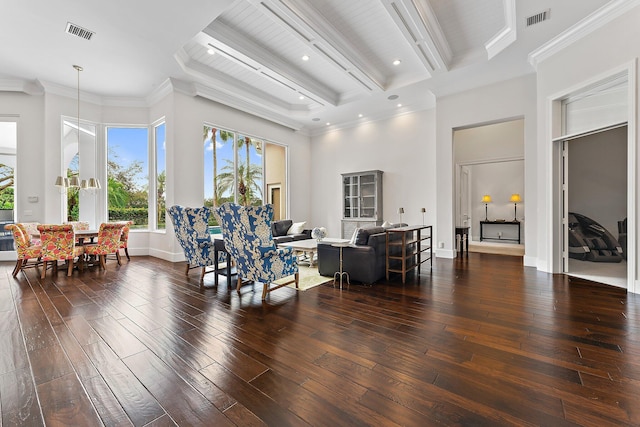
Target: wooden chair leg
118 257
187 270
103 263
239 284
204 270
17 268
265 289
69 267
126 252
297 279
44 270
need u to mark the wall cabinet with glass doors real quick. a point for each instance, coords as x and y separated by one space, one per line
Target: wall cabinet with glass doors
361 201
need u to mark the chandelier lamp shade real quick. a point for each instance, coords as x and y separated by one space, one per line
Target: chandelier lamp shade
515 199
486 199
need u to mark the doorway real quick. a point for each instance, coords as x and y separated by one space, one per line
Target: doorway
595 176
489 161
8 148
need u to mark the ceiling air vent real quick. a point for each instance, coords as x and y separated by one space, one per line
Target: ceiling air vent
77 30
538 17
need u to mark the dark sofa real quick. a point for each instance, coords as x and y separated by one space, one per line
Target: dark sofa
280 228
364 260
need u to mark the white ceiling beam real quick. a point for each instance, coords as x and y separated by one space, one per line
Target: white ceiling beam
304 22
226 41
507 35
418 23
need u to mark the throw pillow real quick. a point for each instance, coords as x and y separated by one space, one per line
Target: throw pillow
297 228
354 237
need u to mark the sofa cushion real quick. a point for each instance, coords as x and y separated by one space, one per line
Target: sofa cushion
362 238
280 228
296 228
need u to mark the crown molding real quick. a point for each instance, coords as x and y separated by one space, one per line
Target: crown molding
15 85
228 100
588 25
507 35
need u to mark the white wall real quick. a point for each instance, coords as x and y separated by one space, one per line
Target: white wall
495 103
607 50
28 112
402 147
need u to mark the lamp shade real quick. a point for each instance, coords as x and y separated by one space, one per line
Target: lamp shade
74 182
515 198
486 198
94 183
423 210
400 210
60 182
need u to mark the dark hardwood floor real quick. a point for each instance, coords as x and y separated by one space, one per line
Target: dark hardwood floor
479 341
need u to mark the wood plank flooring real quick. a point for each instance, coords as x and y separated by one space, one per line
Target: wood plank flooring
478 341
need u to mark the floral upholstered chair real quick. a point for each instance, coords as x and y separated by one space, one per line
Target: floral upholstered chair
79 225
25 250
59 244
109 235
31 229
124 239
191 226
248 239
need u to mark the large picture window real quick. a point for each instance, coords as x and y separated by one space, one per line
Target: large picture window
161 175
128 175
241 169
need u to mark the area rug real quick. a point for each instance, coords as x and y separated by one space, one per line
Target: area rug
308 279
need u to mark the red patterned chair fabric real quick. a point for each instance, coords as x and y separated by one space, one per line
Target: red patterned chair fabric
59 244
109 236
79 225
25 250
30 229
124 239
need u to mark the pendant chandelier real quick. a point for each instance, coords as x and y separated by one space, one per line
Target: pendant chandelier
91 184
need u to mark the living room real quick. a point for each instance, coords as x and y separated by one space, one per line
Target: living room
483 340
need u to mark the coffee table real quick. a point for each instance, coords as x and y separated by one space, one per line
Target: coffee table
309 247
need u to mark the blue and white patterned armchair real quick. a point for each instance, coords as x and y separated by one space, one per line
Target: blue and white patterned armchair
191 226
247 237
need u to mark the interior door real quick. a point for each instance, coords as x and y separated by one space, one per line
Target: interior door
565 206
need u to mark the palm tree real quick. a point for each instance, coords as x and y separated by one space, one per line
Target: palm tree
224 136
253 176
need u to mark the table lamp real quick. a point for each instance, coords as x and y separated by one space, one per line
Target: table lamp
486 199
515 198
423 210
400 212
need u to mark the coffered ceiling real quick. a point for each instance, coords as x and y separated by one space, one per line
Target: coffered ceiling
308 65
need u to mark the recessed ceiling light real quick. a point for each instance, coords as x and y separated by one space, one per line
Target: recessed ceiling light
392 97
359 115
399 105
305 57
301 97
396 62
211 51
328 124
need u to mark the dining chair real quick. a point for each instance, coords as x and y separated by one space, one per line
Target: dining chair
59 244
31 230
108 242
124 239
24 249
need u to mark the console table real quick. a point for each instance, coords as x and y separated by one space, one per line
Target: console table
411 248
511 223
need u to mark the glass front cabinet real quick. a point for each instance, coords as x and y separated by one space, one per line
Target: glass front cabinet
361 201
